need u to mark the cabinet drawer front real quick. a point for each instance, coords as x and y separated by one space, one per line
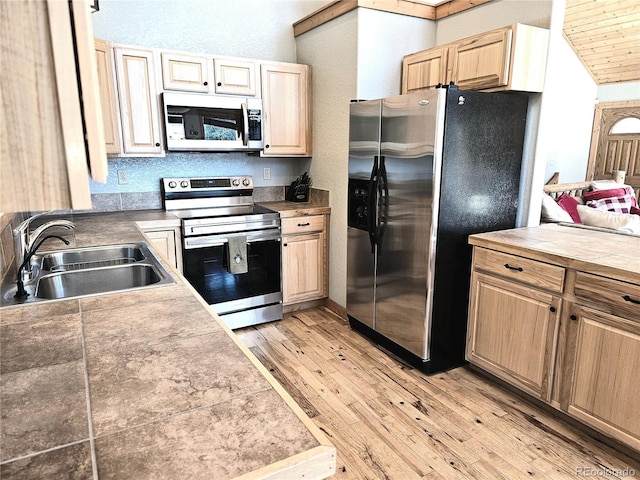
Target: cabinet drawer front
531 272
297 225
617 294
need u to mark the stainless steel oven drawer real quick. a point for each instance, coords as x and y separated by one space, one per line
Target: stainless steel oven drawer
253 316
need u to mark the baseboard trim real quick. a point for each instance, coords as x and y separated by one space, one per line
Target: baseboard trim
336 308
295 307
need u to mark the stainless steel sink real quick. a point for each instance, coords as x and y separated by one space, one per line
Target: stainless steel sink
81 258
95 280
78 272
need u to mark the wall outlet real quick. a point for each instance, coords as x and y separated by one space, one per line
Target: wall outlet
123 177
266 173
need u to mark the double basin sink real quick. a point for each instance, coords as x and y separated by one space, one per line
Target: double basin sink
78 272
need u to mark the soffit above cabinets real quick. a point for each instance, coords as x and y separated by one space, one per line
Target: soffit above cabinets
605 35
427 9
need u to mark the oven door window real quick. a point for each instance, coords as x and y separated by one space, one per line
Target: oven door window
207 270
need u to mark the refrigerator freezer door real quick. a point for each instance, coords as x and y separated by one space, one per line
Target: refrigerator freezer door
405 214
360 277
364 149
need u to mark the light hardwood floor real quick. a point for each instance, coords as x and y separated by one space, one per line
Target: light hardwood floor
389 421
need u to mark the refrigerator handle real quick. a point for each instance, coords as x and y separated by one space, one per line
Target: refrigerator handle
383 211
372 197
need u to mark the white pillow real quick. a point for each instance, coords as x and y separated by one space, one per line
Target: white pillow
607 185
552 212
624 222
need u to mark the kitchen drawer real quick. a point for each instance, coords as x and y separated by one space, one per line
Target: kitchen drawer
524 270
301 225
614 293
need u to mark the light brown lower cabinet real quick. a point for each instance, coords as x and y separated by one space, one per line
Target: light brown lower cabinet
512 333
168 242
304 259
567 337
601 386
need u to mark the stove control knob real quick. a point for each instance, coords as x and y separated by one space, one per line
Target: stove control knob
184 183
172 184
235 182
246 182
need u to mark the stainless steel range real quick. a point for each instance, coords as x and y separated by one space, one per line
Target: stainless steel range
230 247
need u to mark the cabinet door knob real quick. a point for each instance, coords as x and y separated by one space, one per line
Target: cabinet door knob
206 83
519 269
284 244
157 144
552 309
573 317
266 146
219 84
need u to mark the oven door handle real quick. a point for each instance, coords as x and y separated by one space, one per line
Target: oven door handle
219 240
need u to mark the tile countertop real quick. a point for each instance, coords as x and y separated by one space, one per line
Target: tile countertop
295 209
597 252
147 384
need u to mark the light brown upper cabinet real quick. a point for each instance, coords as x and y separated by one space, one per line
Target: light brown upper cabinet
46 158
235 77
509 58
286 96
424 69
108 99
482 61
139 104
189 73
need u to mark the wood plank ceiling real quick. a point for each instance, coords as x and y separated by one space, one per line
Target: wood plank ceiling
606 36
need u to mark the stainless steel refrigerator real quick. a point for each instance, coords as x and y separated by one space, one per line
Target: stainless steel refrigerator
426 170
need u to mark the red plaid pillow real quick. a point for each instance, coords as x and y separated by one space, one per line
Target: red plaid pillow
600 194
618 200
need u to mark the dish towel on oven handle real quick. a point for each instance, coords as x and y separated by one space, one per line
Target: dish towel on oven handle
237 255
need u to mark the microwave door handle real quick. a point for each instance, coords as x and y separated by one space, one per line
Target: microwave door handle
245 125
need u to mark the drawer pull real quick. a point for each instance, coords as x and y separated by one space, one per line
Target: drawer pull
627 298
304 224
519 269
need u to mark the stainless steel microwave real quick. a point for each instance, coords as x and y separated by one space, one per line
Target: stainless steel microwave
212 123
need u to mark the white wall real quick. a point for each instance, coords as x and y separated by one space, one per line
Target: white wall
381 40
617 92
261 29
357 55
332 51
572 94
491 15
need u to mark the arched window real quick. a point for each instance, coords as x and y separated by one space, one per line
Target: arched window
626 126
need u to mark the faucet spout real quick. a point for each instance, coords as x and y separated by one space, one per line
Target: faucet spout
37 233
25 240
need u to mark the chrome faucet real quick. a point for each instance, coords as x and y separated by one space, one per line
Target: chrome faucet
25 240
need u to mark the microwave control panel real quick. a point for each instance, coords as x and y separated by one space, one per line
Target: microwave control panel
255 124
